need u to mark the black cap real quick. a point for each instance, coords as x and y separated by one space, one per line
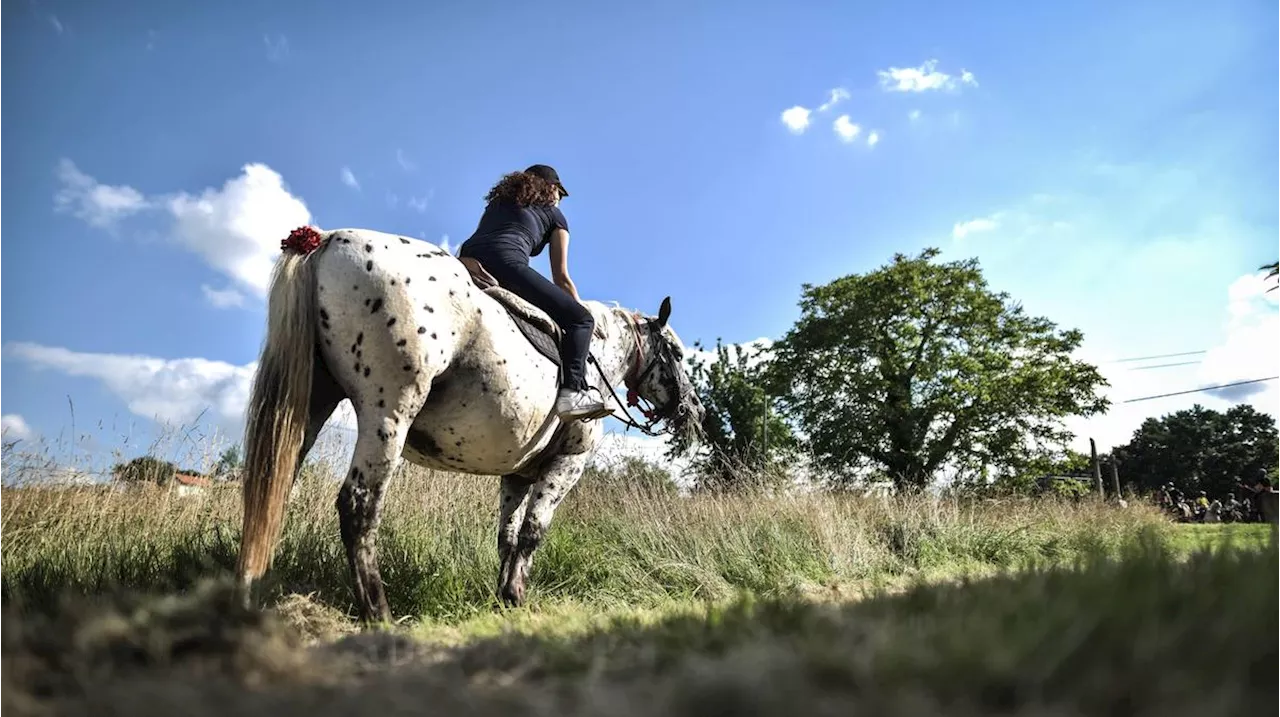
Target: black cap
549 174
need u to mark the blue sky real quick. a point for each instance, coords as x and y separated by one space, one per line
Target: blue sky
1112 166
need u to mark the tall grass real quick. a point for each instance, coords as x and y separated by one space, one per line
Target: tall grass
610 543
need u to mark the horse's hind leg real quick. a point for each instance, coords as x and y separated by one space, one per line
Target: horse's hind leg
326 394
380 439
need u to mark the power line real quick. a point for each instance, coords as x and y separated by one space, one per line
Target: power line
1206 388
1144 358
1165 365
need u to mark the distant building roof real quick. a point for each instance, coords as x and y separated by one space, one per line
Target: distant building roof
193 481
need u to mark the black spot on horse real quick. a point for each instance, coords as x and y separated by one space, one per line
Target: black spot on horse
368 247
344 240
407 367
368 265
424 443
433 334
431 278
360 338
407 279
366 372
377 304
391 321
359 354
357 367
324 315
403 240
429 309
422 329
402 342
367 301
393 282
382 403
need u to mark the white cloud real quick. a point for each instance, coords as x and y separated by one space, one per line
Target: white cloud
924 78
236 229
170 390
974 226
13 427
1246 352
796 119
403 160
100 205
845 129
277 47
349 178
835 97
873 139
420 204
176 391
914 115
1251 345
222 298
57 24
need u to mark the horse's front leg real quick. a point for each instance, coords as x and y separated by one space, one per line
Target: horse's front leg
511 512
543 497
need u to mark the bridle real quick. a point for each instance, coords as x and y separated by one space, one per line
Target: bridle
634 377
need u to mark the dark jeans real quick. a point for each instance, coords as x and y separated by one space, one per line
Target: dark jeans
515 275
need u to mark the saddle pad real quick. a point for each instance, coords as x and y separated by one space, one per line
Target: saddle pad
545 343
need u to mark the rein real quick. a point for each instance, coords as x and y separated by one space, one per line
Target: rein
633 378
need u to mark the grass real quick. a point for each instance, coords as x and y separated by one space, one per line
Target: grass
642 604
609 545
1148 631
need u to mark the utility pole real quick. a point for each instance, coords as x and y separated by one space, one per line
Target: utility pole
1115 475
1097 469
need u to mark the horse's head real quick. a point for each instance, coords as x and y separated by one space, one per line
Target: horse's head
659 376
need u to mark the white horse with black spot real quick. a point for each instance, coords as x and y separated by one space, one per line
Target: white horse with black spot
442 372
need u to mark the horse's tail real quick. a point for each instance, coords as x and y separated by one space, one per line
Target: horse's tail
279 404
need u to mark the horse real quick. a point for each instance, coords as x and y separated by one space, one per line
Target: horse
442 373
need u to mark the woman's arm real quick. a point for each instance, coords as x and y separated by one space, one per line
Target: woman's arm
560 263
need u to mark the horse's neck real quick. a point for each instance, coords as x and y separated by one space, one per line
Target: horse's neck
619 351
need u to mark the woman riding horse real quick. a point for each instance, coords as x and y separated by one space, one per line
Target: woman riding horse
521 218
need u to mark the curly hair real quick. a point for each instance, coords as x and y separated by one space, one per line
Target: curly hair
524 189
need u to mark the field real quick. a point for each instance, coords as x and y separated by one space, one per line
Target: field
642 602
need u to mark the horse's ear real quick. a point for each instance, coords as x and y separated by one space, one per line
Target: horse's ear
664 312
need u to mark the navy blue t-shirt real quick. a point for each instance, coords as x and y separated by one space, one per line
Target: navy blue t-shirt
506 227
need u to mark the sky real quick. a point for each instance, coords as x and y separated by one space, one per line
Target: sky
1111 165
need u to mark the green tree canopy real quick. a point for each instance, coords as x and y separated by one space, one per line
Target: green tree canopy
1201 449
746 438
919 365
1273 271
144 469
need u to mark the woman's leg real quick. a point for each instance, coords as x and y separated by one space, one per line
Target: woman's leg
573 318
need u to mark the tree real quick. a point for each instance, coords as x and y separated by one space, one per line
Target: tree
918 366
144 469
229 464
745 435
1201 449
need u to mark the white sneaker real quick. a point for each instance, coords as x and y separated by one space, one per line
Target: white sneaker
572 405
